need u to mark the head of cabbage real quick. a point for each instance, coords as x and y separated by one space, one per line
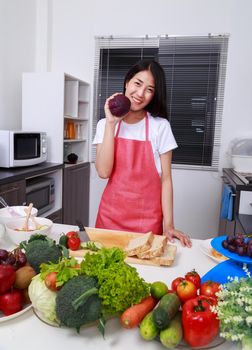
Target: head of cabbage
43 299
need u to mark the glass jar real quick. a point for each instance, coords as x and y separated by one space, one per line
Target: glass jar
71 130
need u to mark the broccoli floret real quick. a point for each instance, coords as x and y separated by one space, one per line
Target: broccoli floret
42 251
77 302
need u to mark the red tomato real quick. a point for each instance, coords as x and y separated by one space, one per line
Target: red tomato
74 242
186 290
50 281
193 277
209 288
72 234
176 282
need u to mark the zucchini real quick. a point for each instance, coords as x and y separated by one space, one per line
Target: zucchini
172 335
148 329
166 309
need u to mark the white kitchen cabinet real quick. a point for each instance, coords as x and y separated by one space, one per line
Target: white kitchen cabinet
51 102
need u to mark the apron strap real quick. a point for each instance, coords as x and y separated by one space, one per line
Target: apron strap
118 129
146 128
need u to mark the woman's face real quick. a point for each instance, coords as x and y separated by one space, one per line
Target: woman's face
140 90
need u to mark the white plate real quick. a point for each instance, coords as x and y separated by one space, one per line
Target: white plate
216 342
42 318
206 248
17 314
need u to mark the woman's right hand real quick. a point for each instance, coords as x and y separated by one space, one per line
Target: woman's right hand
109 116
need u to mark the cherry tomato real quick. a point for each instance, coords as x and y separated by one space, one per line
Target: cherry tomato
209 288
186 290
51 280
176 282
72 234
193 277
74 242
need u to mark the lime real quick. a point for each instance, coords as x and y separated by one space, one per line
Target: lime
158 289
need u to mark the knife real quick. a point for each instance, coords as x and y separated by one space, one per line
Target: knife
82 233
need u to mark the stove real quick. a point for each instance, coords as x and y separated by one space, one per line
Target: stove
246 178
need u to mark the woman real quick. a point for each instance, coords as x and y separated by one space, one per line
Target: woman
135 153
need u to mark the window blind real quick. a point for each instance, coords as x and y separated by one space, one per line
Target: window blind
195 68
195 75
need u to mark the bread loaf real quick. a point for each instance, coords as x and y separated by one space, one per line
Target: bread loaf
140 244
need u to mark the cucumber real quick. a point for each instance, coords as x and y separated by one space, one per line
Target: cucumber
91 245
148 329
166 309
171 336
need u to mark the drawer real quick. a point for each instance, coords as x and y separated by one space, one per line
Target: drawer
245 205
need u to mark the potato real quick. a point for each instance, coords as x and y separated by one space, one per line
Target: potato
24 276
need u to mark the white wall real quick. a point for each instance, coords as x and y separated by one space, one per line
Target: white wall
17 37
72 26
197 193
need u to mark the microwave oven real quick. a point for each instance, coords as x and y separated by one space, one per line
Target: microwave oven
41 192
22 148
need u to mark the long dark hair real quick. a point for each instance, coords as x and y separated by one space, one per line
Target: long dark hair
158 105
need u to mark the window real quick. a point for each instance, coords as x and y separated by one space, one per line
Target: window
195 75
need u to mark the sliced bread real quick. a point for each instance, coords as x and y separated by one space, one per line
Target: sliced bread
156 249
139 244
167 257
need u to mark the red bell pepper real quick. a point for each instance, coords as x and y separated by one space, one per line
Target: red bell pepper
200 325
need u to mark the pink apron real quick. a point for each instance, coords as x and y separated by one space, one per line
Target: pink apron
131 200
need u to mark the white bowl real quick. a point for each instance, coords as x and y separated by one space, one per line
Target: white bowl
2 231
16 234
6 216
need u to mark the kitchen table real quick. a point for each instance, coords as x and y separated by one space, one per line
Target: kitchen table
29 333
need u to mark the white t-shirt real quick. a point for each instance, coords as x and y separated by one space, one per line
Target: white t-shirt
160 135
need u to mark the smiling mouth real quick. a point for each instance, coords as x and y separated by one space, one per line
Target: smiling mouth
136 100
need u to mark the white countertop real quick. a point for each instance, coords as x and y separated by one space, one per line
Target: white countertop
29 333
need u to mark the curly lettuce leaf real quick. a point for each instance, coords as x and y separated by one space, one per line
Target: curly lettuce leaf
120 285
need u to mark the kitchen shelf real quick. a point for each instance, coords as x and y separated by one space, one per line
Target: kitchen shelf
54 102
74 140
75 119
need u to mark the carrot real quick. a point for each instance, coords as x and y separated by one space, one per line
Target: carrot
132 316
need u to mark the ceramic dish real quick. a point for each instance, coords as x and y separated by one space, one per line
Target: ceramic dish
216 244
16 234
17 314
224 270
208 250
42 318
216 342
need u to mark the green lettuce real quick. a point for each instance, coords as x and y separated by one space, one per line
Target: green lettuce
120 285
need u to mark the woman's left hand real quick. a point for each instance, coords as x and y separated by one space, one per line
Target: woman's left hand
184 239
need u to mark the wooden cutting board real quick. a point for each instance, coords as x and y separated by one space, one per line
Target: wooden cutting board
120 239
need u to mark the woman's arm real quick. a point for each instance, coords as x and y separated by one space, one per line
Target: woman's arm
105 153
167 202
105 150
